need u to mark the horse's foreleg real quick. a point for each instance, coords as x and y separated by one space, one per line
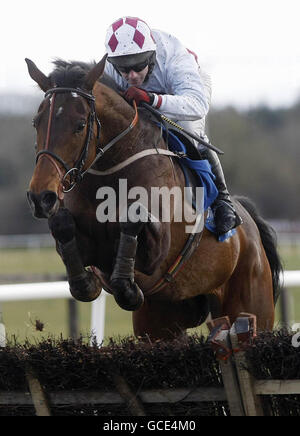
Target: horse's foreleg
154 247
126 292
84 285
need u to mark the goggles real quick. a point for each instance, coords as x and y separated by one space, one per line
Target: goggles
137 68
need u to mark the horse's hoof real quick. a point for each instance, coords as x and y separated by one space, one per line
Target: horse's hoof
85 289
127 295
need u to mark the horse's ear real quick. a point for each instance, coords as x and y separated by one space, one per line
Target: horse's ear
94 74
39 77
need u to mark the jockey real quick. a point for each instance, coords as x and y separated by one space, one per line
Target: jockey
154 67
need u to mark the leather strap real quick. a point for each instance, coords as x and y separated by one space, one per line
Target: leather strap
131 159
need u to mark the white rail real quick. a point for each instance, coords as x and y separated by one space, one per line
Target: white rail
34 291
51 290
291 279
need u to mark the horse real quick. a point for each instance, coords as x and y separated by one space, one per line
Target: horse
89 137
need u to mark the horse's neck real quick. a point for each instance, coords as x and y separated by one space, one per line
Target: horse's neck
116 115
113 111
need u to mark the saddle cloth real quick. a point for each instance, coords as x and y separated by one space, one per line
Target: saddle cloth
204 175
201 168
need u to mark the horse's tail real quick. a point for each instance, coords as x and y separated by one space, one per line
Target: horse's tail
269 241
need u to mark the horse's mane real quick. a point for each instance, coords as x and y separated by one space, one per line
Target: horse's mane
72 73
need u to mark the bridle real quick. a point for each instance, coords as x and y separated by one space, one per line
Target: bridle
75 172
73 175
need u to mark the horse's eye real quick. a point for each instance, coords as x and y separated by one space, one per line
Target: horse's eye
80 126
33 123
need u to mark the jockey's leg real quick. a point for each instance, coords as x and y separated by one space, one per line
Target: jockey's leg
226 217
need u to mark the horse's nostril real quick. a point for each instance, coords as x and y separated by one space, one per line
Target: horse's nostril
48 200
42 205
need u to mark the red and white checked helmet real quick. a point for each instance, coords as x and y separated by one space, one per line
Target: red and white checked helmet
129 36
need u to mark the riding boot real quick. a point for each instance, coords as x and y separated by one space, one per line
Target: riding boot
226 218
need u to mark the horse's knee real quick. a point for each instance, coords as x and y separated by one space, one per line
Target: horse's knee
62 226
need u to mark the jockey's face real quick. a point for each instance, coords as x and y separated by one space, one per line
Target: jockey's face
134 78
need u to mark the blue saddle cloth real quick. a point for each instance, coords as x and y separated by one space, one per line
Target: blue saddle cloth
206 178
201 168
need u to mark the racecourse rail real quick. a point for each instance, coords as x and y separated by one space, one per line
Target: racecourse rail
60 289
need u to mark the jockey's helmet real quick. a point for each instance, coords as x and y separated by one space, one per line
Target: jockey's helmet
129 42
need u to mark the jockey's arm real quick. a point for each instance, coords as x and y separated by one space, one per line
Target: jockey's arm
189 90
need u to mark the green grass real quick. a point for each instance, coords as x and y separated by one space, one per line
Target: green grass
20 317
32 261
290 256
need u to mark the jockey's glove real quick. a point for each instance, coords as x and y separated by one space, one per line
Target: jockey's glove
140 95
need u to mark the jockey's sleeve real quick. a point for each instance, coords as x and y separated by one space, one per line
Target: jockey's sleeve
189 91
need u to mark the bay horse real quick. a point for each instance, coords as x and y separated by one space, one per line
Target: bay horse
136 261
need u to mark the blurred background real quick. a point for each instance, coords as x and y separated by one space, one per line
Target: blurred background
250 49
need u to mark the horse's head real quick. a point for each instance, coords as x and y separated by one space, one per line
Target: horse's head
67 132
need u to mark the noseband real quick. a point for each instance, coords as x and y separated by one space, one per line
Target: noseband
75 173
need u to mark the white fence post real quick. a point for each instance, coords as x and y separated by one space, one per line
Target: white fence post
98 319
2 330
